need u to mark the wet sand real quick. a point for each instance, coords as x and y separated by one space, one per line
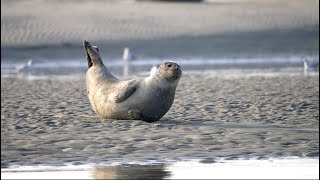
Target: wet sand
51 122
54 29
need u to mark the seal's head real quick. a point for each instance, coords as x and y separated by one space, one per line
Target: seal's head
170 72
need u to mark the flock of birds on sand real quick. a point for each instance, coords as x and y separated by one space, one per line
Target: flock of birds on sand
128 57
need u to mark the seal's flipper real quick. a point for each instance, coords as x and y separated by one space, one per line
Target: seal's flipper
87 55
134 114
92 52
126 91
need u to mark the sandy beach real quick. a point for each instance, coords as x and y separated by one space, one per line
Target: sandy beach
224 111
51 122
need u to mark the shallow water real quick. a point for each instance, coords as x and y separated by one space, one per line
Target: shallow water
284 168
251 66
272 60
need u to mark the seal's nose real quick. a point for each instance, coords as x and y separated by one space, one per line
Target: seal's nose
177 67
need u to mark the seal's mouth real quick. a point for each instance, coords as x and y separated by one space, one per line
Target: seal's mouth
173 75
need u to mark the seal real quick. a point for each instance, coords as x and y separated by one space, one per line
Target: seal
147 99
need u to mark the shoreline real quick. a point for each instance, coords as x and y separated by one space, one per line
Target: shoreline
276 168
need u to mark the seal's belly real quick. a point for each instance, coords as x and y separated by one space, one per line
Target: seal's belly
153 103
146 100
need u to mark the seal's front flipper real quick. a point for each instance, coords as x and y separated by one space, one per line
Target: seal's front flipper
138 115
126 91
92 52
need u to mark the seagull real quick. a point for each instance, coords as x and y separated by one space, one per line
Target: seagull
26 68
127 57
310 65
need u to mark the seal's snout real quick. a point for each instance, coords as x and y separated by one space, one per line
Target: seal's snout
172 66
178 68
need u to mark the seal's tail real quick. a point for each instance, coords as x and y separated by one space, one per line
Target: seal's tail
92 53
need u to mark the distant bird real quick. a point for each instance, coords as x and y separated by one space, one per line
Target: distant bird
310 65
25 68
127 55
127 58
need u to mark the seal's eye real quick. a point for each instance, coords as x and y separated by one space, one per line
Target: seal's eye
169 65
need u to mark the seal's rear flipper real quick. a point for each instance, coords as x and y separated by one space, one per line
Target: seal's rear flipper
92 52
86 44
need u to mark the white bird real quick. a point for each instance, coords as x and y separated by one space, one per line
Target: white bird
127 58
310 65
127 55
26 68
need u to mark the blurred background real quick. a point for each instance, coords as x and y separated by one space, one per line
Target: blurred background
196 34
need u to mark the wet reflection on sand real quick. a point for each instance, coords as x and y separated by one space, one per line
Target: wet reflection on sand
130 171
272 168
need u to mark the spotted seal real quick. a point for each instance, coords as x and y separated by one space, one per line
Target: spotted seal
147 99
